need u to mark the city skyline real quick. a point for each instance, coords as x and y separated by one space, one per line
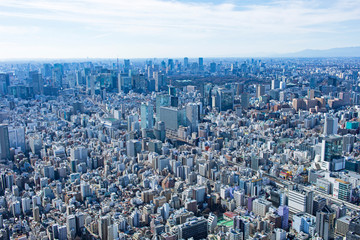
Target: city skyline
142 29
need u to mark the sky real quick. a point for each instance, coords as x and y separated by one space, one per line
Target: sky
174 28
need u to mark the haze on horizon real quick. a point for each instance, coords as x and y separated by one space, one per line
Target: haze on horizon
158 28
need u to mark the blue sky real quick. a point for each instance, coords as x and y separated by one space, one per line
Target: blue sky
157 28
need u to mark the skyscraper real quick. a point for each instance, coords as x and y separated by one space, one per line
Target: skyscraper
201 64
192 116
283 211
147 115
331 125
4 142
103 224
260 90
325 223
186 62
37 82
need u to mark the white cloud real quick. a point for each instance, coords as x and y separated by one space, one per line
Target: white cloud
176 23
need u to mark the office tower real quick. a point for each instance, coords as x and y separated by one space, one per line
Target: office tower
192 116
342 190
304 222
170 116
25 204
318 204
133 147
79 154
311 93
243 225
55 231
201 64
103 224
212 67
71 226
138 83
348 143
331 125
159 81
36 213
186 62
62 233
224 99
162 100
170 65
283 211
47 70
4 142
300 201
260 90
147 116
275 84
325 223
261 207
255 162
5 78
92 80
195 228
17 137
85 190
280 234
212 222
135 218
4 83
160 131
36 82
331 153
126 66
244 98
57 75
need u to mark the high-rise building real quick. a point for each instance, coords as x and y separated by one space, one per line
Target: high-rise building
85 190
244 98
300 201
126 66
71 226
212 67
159 81
325 223
331 153
283 211
103 224
260 90
186 62
261 207
162 100
195 228
192 116
354 229
275 84
201 64
4 142
331 125
304 222
4 83
17 137
133 147
62 233
224 99
172 117
147 116
37 82
342 190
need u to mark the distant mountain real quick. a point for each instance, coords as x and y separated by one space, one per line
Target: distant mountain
333 52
